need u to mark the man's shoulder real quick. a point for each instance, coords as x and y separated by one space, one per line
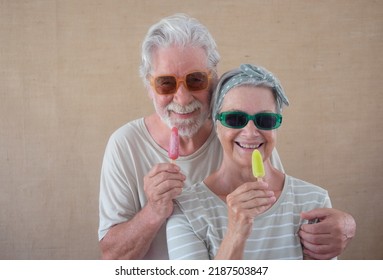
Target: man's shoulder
129 129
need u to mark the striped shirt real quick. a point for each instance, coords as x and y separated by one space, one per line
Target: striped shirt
199 222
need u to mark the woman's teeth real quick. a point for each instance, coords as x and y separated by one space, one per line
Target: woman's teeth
248 146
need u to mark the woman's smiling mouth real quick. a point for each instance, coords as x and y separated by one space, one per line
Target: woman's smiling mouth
249 146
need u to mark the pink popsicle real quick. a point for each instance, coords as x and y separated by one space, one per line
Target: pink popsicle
174 144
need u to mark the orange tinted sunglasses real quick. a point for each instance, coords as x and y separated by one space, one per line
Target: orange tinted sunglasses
169 84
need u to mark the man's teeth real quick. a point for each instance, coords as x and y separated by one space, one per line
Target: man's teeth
183 113
249 146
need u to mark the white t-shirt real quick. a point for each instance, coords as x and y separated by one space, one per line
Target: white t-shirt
130 154
199 223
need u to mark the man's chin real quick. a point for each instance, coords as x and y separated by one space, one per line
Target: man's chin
189 129
186 127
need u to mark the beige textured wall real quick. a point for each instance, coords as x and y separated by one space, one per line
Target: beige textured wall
69 78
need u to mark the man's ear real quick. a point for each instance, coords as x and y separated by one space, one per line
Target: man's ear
150 92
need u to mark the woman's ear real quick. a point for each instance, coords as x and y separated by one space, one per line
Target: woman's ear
215 126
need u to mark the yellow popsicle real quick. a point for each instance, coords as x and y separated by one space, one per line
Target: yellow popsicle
257 164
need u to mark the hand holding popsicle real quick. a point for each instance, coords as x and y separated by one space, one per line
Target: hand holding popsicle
257 165
248 201
174 144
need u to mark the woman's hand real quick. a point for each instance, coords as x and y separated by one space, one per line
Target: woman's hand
245 203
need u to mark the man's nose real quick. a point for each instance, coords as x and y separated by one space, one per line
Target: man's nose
183 96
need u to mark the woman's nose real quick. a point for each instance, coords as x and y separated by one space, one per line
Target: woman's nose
250 128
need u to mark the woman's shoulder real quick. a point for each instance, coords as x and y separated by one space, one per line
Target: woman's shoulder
194 192
197 197
299 186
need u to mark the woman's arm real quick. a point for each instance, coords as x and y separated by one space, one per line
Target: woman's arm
183 242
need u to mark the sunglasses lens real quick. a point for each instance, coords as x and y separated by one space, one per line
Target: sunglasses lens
263 121
267 121
166 84
194 82
235 120
197 81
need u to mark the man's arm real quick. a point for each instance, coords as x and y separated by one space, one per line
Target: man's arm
330 236
132 239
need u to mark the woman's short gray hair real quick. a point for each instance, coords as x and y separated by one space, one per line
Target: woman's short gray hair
180 30
247 75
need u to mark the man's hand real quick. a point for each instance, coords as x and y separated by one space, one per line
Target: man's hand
161 185
328 237
132 239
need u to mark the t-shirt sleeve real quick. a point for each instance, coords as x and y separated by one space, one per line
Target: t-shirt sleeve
183 242
117 201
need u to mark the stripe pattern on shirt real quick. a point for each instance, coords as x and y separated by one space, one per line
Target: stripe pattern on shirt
199 222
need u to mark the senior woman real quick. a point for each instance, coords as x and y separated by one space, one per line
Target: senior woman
231 214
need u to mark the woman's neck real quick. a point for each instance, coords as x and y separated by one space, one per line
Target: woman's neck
229 177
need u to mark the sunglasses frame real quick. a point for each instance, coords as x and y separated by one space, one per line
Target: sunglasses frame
222 118
180 80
